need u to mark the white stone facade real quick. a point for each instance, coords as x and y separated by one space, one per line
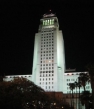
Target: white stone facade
49 62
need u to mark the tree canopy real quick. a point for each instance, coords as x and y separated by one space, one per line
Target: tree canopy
20 93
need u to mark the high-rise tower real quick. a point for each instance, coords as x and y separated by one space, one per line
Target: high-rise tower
49 58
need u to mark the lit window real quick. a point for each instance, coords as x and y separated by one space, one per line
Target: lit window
43 22
50 21
49 61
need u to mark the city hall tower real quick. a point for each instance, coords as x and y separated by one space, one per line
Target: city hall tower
49 57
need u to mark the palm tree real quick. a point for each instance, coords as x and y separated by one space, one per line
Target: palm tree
78 85
72 87
83 79
85 98
90 68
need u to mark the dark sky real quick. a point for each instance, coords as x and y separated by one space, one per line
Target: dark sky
19 22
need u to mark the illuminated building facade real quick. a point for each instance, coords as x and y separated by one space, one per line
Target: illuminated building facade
48 70
49 60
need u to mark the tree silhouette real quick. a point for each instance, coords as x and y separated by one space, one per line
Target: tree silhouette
72 87
21 94
85 98
90 68
83 79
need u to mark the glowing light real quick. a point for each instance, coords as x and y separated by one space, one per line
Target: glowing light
8 76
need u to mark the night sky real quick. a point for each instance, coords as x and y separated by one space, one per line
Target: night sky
19 22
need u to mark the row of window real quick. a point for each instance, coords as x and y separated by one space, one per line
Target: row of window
47 34
47 71
50 51
46 86
73 92
49 87
87 87
46 75
47 48
42 79
46 82
47 58
47 61
46 54
70 79
46 68
47 42
48 22
46 45
47 37
47 64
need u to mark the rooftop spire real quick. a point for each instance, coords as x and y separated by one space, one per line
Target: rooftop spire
49 14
